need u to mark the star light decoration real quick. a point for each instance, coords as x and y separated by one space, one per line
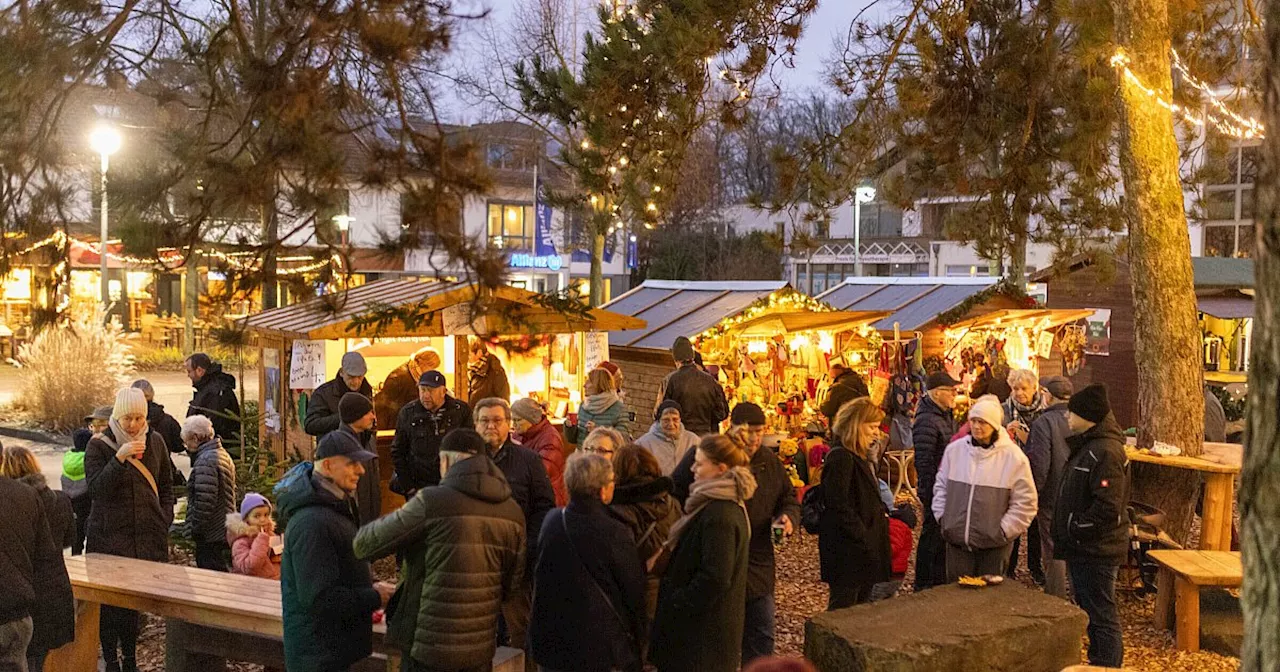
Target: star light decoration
1220 117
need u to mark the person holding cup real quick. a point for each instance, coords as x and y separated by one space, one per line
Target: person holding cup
131 486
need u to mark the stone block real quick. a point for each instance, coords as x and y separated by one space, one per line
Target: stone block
1003 628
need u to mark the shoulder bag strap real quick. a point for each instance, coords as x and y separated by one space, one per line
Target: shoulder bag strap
137 464
626 627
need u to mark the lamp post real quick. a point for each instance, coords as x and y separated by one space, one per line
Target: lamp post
344 228
105 140
860 195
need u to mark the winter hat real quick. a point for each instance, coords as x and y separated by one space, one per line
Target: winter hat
669 404
80 439
251 501
1058 386
463 440
610 367
129 400
682 349
528 410
746 413
987 410
1091 403
99 413
353 406
353 364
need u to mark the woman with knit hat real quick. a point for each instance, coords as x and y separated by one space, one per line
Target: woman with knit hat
984 496
249 533
131 485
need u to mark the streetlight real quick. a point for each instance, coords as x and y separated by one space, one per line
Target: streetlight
860 195
344 228
105 140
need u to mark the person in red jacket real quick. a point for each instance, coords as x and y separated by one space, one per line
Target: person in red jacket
537 433
902 521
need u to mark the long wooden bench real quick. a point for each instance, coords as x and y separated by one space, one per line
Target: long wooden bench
1182 574
210 616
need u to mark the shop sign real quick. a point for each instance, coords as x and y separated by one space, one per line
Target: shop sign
595 348
306 366
1098 333
550 262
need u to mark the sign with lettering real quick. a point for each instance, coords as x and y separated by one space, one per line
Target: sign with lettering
306 366
551 262
1098 333
1044 345
595 348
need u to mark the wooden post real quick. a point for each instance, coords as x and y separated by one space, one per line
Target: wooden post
1162 617
1215 524
1188 614
461 360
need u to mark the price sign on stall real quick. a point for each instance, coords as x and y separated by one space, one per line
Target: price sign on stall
306 366
595 348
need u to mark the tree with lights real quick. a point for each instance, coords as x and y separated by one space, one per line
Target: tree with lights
650 77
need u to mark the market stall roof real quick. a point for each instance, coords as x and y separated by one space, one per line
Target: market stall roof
676 308
1228 306
447 308
1207 272
911 302
786 323
1045 317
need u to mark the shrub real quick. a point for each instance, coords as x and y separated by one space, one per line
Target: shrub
148 357
71 369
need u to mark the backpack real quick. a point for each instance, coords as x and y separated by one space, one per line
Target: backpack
292 480
812 506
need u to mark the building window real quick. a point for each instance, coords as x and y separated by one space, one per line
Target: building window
417 210
967 270
1227 204
880 220
504 156
511 226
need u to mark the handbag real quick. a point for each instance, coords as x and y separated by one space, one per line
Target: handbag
626 627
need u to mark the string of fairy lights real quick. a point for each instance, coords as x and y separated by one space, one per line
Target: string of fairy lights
234 260
1219 115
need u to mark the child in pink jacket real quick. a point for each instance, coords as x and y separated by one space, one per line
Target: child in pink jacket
249 533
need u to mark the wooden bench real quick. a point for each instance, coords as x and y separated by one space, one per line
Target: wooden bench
1182 574
209 617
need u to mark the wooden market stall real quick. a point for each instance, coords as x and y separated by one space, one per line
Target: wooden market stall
1224 294
406 324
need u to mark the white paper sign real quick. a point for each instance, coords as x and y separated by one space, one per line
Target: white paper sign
1044 345
595 348
306 370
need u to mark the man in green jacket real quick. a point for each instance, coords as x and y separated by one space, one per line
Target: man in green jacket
463 548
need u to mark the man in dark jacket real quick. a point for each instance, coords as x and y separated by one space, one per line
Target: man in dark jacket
1090 531
211 493
215 396
36 602
324 415
453 587
328 595
701 398
531 489
486 377
401 386
164 424
421 426
357 416
846 385
932 431
1047 451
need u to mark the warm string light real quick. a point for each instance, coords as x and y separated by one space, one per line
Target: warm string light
1231 124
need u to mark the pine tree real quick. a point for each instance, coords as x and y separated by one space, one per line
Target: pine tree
650 77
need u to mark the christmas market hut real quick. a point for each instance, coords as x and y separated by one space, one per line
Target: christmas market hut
405 326
766 343
1224 297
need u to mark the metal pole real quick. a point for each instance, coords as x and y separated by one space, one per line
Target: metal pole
857 234
102 245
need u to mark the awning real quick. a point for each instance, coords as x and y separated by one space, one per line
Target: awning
1045 318
787 323
1226 307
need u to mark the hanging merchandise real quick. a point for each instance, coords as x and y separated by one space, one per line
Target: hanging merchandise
1071 342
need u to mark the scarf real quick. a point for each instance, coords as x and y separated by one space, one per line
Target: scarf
116 429
736 485
599 403
1037 406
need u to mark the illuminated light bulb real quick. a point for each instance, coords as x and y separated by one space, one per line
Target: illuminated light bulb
594 199
586 144
656 188
651 207
622 161
622 108
613 170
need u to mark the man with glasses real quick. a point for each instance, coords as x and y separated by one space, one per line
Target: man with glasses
934 426
531 489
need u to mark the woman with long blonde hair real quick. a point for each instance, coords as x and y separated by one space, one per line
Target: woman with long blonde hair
853 533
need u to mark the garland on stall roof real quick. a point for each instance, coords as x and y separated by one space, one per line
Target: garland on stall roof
782 301
1003 288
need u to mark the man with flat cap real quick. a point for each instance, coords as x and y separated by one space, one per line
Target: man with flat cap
420 427
1047 451
934 426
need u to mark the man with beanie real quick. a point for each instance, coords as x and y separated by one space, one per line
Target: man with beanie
420 427
931 431
667 439
454 586
164 424
536 433
215 396
357 417
1090 530
328 595
701 398
1047 452
983 496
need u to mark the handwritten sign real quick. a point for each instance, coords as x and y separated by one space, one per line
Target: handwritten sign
595 348
306 369
1044 345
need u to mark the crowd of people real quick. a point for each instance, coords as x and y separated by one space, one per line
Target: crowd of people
658 551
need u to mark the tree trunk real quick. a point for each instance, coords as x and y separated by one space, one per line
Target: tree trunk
597 269
270 236
191 302
1166 334
1260 481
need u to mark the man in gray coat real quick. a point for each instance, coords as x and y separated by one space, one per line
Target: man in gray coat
1047 451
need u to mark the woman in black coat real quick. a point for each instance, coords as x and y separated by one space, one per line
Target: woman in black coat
853 533
703 596
588 590
53 616
131 485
